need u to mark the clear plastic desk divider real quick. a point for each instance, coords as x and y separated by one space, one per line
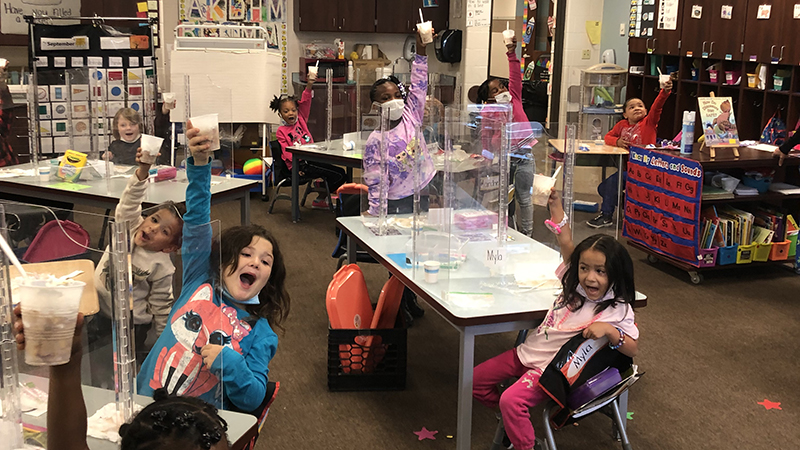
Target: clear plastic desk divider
10 408
329 115
123 339
33 122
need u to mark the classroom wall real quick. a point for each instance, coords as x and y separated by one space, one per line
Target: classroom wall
616 12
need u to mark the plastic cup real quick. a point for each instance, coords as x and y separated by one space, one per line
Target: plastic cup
508 36
49 314
44 173
151 146
426 31
542 184
432 271
208 125
313 70
169 98
662 80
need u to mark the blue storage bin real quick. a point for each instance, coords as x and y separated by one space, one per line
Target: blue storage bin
761 184
257 188
727 255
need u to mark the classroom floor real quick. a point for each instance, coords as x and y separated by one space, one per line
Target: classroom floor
710 352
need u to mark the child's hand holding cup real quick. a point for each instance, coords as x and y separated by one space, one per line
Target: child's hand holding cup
209 127
199 144
509 37
425 29
150 149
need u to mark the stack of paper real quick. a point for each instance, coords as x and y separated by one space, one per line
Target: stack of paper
784 188
745 190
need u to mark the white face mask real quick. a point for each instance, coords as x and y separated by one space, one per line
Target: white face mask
395 108
503 97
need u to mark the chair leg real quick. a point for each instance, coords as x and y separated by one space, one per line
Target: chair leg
309 186
499 432
330 200
626 444
275 198
548 430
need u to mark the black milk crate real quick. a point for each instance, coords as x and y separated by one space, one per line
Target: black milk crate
367 360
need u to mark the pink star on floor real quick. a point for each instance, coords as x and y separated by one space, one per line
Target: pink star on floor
771 405
425 434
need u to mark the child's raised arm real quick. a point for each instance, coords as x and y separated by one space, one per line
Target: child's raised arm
557 214
415 104
304 104
197 232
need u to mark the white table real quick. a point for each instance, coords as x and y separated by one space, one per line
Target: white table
511 311
105 194
241 427
325 152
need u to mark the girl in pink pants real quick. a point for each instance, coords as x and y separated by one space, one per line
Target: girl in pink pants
597 299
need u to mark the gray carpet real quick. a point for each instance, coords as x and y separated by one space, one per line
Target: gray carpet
710 353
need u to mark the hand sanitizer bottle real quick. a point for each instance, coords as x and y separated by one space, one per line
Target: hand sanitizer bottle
687 133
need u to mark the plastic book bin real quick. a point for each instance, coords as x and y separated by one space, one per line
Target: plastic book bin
779 251
792 244
745 253
712 76
762 252
708 257
727 255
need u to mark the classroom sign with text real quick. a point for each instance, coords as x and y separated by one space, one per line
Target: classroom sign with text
11 16
662 208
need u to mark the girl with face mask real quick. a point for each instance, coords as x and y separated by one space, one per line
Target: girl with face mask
500 91
406 112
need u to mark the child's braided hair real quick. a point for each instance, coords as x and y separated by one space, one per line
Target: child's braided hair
174 422
373 91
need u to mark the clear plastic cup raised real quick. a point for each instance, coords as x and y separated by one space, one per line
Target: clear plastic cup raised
49 313
542 184
313 70
426 31
508 36
208 125
169 98
151 146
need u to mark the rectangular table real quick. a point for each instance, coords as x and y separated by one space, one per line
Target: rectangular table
241 427
509 312
331 153
105 194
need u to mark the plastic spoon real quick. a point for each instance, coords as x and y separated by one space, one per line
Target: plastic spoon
421 19
555 174
70 275
12 257
507 25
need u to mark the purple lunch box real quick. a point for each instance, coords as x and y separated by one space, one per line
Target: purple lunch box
593 388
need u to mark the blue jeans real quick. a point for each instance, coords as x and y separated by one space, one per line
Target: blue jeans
608 190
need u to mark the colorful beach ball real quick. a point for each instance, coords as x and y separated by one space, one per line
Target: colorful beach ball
252 167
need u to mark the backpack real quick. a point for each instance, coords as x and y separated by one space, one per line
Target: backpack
775 131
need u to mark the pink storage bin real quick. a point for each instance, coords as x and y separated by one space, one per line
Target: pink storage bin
707 257
474 219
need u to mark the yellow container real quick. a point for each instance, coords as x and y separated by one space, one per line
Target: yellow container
745 253
752 80
762 252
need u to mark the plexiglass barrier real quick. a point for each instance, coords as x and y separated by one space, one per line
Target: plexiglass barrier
215 120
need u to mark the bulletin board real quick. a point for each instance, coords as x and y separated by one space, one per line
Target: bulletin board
252 77
662 207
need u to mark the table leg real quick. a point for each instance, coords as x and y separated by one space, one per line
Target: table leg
295 188
619 212
244 207
466 364
352 251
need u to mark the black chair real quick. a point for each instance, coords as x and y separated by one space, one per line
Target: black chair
282 177
262 411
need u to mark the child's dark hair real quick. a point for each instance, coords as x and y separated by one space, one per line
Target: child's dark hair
274 300
373 91
172 422
628 100
619 268
278 101
483 90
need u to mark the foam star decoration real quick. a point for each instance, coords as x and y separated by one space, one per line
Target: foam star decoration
771 405
425 434
630 415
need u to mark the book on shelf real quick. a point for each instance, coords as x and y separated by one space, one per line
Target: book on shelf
784 188
745 191
715 193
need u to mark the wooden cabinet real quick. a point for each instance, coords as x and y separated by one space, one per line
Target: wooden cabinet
368 16
666 42
711 36
765 38
696 32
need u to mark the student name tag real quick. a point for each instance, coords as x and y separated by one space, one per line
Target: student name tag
495 257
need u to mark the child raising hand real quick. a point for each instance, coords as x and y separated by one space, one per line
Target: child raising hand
220 328
597 301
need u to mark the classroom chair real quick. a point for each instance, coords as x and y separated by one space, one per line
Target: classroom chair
608 403
282 177
262 411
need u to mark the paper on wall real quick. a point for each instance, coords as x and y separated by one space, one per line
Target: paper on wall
77 61
593 31
114 61
668 15
115 43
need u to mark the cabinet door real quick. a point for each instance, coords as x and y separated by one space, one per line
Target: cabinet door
396 16
317 15
696 31
727 35
762 37
357 16
439 15
791 29
665 42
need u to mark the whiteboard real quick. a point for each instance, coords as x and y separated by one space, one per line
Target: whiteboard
237 85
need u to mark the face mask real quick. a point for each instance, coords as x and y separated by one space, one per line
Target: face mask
504 97
395 108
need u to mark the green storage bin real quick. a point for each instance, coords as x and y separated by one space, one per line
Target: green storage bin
762 252
792 238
